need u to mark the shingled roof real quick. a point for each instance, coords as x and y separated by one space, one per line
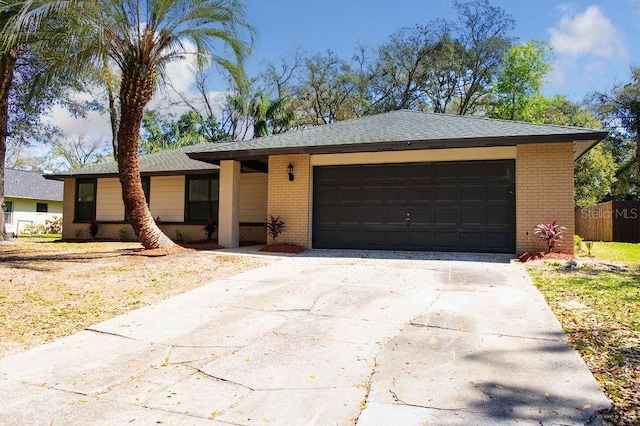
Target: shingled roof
400 130
171 162
31 185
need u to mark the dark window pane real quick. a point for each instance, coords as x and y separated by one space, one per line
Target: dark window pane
215 183
42 207
198 211
199 190
86 192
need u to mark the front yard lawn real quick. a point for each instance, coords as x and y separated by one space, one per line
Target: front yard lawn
598 305
53 289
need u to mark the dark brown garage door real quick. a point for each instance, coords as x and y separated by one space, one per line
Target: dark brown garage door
445 206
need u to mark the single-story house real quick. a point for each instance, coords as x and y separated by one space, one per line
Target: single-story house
29 199
402 180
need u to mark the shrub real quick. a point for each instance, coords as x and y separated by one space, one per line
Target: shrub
94 228
179 236
589 245
210 228
577 241
275 227
551 233
53 225
77 233
122 234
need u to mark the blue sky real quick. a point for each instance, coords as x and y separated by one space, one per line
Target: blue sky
594 41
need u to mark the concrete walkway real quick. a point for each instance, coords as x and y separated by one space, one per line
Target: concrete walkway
372 338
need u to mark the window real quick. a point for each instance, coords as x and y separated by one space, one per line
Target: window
42 208
8 212
85 199
202 198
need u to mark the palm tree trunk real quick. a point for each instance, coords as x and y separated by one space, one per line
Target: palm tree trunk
7 67
135 92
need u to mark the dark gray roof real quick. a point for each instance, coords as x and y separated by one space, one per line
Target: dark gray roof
398 130
167 162
32 185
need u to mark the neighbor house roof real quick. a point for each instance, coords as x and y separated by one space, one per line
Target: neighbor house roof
31 185
167 162
401 130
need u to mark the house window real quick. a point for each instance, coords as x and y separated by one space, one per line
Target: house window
85 199
8 212
202 198
42 207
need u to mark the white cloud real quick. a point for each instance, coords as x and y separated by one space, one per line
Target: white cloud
590 33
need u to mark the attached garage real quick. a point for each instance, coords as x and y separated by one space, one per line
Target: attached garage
408 180
464 206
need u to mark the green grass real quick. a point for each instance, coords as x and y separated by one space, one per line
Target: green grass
605 327
48 236
620 252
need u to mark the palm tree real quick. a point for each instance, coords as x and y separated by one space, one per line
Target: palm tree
141 37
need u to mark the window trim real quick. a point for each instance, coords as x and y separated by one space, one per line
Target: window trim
187 210
79 182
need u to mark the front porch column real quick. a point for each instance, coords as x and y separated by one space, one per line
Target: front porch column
229 207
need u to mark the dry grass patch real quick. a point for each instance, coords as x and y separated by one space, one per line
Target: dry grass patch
53 289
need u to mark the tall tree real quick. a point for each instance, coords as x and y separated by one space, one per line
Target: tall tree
521 77
24 39
141 38
620 110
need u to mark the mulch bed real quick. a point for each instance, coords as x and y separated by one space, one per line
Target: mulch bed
538 255
283 248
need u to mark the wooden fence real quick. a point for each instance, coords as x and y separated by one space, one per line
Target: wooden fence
611 221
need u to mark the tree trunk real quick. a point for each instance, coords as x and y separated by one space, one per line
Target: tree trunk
135 93
7 66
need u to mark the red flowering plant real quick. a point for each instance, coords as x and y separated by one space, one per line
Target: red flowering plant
275 227
551 233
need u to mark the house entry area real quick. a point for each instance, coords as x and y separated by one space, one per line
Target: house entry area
458 206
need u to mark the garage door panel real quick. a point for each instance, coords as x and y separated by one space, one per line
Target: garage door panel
469 240
472 171
445 171
452 206
395 194
395 216
471 193
372 194
420 217
499 216
446 194
349 195
372 216
326 195
470 216
349 216
446 217
445 239
327 216
420 194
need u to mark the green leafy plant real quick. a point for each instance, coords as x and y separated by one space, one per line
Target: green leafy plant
210 228
94 228
275 227
589 245
577 242
122 234
179 236
77 233
551 233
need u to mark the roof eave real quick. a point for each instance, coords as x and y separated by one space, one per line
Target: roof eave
243 154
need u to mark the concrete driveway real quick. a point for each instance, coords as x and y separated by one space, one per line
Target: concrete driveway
328 337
